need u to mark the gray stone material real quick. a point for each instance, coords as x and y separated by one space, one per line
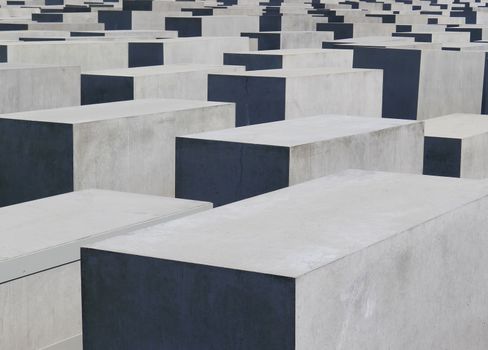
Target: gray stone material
353 260
278 94
229 165
455 145
40 300
125 146
26 87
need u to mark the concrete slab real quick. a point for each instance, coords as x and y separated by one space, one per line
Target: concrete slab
185 81
229 165
39 268
278 94
125 146
323 264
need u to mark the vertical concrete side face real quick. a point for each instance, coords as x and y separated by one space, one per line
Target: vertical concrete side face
258 99
484 98
474 162
3 54
397 149
146 54
185 26
356 93
401 74
126 154
450 82
225 172
41 309
115 20
36 159
254 62
105 88
417 290
442 156
135 302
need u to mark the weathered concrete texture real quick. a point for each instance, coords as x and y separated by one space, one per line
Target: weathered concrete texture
124 146
40 299
29 87
356 260
229 165
455 145
290 58
278 94
188 81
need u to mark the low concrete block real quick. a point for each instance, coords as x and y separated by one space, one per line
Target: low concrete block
354 260
40 271
278 94
125 146
229 165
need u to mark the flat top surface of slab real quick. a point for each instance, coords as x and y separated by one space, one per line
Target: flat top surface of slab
301 228
300 131
163 69
297 72
47 223
106 111
457 125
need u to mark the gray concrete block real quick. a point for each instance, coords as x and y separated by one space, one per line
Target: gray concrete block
455 145
126 146
168 81
229 165
279 94
40 282
356 260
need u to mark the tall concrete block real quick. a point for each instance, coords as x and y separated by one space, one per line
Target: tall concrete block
422 84
126 146
356 260
455 145
29 87
278 94
40 296
188 26
229 165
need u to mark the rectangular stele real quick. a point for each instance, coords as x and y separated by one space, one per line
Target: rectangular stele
124 146
40 302
228 165
263 96
354 260
455 145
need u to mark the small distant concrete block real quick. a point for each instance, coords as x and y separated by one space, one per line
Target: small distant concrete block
290 58
355 260
169 81
455 145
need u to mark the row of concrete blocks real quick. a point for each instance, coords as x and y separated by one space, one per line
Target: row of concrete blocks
353 260
415 84
139 146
